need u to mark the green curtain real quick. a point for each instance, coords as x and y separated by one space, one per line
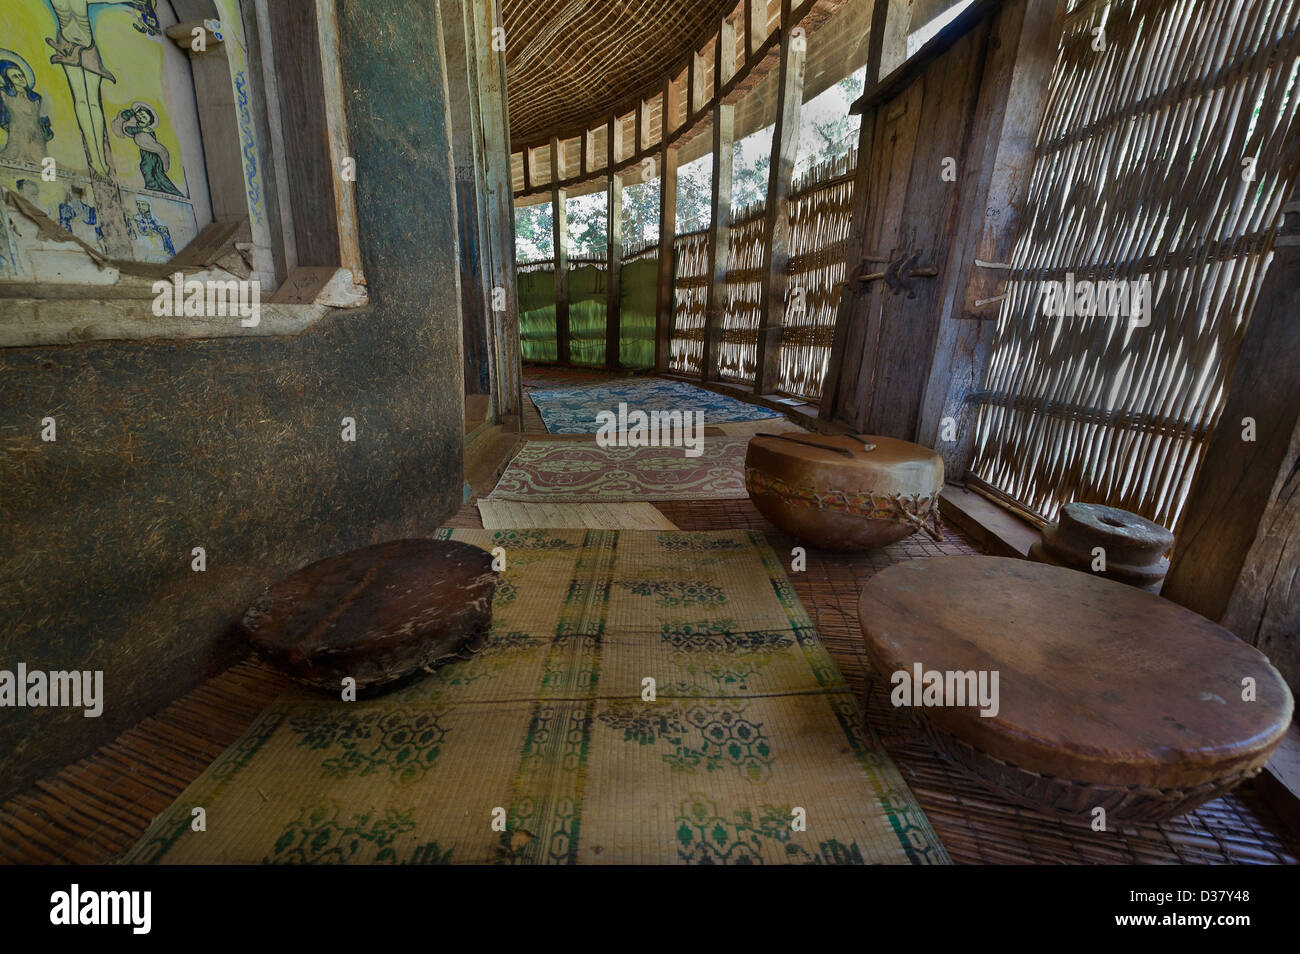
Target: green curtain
638 291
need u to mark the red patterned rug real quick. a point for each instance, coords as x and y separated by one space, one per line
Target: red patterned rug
585 471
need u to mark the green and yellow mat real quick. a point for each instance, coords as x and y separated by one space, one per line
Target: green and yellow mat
551 745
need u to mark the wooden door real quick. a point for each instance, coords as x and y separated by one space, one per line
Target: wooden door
916 129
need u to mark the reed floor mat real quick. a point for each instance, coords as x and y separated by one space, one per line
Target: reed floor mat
544 748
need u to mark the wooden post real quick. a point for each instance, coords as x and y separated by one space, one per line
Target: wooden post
755 26
665 300
462 87
719 244
692 68
482 17
560 230
1239 545
993 184
613 261
776 222
887 46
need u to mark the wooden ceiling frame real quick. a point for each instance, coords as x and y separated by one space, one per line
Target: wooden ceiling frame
761 32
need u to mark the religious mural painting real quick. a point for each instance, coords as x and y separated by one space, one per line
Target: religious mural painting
99 126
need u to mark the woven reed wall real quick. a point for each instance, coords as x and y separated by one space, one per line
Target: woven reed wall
738 341
1139 174
690 293
821 209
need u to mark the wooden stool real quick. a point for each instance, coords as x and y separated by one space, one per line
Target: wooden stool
1108 696
1134 546
841 492
377 614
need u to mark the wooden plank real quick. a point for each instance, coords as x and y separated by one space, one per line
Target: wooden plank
863 180
887 42
613 266
719 246
336 132
474 302
776 222
902 356
905 71
560 235
667 232
297 50
482 17
1239 544
692 70
992 183
889 340
265 102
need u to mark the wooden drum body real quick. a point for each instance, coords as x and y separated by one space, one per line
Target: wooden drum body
376 615
844 494
1106 696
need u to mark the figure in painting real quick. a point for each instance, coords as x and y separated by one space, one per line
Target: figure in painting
138 124
22 112
74 207
144 224
75 50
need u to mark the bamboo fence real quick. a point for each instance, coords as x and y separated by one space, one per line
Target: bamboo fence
690 292
821 207
1143 172
738 338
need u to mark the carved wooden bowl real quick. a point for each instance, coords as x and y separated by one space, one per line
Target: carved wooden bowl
845 494
376 615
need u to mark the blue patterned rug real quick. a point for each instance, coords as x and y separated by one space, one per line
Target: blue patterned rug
574 410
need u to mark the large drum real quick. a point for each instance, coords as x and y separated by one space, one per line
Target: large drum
842 492
1070 693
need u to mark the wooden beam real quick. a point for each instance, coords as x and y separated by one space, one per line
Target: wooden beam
757 9
475 302
493 144
560 232
719 243
692 80
776 219
672 102
614 258
665 300
614 271
755 12
1239 544
887 45
992 182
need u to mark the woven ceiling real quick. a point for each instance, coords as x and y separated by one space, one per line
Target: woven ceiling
570 62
